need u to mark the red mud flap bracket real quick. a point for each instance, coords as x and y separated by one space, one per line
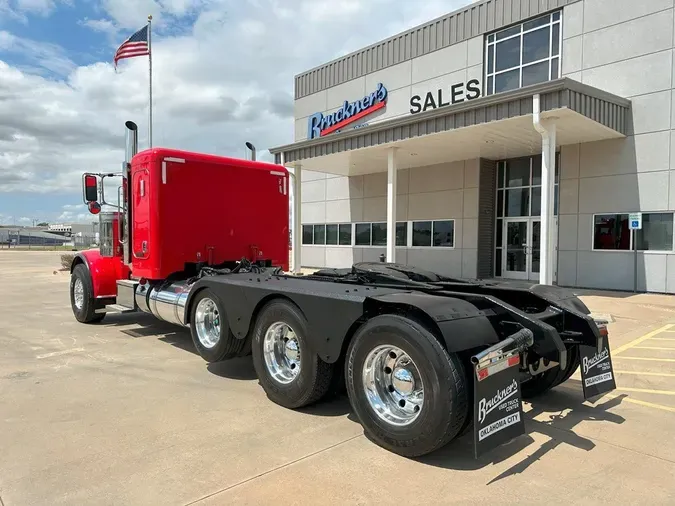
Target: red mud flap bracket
597 372
497 407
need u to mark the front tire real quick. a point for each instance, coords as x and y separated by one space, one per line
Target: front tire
408 392
290 373
210 329
82 299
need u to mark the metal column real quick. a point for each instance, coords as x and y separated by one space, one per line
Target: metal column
547 130
297 220
391 204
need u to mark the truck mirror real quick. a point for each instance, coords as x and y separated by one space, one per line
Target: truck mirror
90 188
94 207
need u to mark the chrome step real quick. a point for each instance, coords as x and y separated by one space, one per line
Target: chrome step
116 308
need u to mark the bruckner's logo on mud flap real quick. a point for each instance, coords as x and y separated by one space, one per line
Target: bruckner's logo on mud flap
498 412
596 370
504 402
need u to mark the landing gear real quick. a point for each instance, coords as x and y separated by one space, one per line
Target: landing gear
82 299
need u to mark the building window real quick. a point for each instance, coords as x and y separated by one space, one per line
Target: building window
307 234
439 233
345 231
375 234
611 232
363 234
331 234
523 55
379 234
402 234
656 233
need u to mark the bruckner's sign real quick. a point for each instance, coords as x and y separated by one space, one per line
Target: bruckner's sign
320 125
443 97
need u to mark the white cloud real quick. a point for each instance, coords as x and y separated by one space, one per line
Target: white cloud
225 79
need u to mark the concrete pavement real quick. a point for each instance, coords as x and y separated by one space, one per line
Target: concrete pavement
126 413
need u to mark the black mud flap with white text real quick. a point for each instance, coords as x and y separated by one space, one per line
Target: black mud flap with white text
597 373
497 410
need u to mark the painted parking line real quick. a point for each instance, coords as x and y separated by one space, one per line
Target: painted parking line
671 339
646 391
649 359
660 348
641 403
645 373
642 339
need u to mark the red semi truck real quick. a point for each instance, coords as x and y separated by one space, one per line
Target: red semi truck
201 241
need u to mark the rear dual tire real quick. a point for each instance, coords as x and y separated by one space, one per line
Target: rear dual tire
290 372
391 364
210 329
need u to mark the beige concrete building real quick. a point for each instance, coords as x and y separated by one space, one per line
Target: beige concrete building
510 138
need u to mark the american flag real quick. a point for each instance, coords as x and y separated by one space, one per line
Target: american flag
136 45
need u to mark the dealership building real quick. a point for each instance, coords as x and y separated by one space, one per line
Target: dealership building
510 139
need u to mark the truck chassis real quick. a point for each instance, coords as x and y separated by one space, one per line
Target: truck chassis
424 358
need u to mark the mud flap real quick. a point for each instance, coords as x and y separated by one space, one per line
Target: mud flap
597 373
497 407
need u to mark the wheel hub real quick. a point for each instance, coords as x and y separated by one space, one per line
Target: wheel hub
403 381
281 350
78 293
207 323
393 385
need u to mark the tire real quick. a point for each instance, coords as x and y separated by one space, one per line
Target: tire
290 380
542 383
210 329
445 407
84 308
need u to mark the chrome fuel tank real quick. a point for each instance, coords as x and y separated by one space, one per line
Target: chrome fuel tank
166 301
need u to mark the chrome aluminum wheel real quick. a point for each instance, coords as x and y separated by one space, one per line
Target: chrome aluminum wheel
281 350
78 293
393 385
207 323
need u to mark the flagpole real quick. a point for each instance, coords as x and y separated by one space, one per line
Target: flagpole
150 77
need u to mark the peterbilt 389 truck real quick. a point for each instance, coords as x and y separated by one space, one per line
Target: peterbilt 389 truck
201 241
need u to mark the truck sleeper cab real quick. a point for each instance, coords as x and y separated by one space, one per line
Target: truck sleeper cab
423 358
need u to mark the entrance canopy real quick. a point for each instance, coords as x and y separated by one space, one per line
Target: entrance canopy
493 127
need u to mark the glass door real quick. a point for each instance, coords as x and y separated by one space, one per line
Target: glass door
534 249
516 258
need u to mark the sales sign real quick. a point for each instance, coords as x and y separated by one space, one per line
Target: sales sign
635 221
455 94
320 125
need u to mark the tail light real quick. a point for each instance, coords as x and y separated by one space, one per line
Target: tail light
603 326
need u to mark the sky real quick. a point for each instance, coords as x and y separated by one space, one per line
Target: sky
223 74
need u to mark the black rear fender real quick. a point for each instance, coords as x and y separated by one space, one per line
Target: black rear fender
459 323
331 309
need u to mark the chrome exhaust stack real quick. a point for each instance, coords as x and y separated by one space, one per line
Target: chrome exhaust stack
131 141
124 191
251 147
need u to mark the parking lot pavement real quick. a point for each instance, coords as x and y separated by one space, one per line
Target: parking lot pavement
126 413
